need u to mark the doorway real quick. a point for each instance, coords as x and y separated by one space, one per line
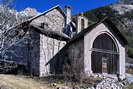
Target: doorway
105 56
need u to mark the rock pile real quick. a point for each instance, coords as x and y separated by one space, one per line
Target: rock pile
109 83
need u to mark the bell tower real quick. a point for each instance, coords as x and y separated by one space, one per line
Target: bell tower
82 22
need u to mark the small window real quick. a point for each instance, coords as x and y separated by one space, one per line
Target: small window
42 25
82 24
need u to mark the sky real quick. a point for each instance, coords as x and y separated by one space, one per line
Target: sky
76 5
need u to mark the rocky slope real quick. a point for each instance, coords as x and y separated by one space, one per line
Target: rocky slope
122 8
121 15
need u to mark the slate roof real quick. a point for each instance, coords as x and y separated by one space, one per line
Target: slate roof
105 21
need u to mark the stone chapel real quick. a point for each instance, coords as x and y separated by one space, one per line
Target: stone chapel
58 38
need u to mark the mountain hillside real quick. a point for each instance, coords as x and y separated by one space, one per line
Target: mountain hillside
122 8
125 1
121 15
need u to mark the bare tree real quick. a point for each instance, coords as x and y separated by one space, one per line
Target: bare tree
6 21
14 29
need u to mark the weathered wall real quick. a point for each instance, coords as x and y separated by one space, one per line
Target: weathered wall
76 55
71 55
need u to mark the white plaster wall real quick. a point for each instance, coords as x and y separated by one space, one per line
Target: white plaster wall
88 42
48 49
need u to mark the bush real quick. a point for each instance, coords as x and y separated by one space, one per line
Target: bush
130 52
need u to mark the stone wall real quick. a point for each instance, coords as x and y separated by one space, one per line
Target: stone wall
45 48
52 20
